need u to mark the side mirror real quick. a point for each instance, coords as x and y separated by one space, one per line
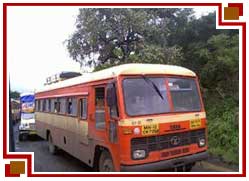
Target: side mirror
111 95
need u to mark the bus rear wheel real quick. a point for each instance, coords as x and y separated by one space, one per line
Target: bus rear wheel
105 162
22 137
189 167
51 147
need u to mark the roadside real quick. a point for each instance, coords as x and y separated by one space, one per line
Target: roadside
63 162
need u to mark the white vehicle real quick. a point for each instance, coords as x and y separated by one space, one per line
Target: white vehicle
27 124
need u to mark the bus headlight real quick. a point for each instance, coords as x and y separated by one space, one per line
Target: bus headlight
24 126
202 142
139 154
136 131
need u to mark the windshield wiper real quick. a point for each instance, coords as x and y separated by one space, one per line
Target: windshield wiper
149 81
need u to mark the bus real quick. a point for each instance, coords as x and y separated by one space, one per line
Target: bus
131 117
27 124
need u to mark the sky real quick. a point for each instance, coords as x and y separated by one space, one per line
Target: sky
35 43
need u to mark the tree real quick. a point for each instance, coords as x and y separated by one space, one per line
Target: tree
221 70
114 36
14 94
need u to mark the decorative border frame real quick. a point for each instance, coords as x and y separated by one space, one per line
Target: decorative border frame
28 157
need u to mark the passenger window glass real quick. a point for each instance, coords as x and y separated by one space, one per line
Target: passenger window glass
42 108
36 105
69 106
114 108
43 105
53 105
114 111
62 105
39 105
57 106
83 108
100 107
49 105
72 106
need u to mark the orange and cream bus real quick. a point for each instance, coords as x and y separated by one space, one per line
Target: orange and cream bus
132 117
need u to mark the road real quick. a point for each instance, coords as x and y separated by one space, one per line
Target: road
63 162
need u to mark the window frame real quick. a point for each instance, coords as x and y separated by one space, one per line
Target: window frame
66 113
79 108
117 103
104 106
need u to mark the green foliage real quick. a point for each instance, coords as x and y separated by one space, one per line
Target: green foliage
221 70
14 94
116 36
223 130
158 55
109 37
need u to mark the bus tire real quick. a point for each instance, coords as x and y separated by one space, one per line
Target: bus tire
105 162
51 147
23 137
20 137
189 167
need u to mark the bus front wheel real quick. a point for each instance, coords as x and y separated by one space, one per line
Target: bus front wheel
51 147
22 137
105 162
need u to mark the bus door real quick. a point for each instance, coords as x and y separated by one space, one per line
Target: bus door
98 115
83 120
82 150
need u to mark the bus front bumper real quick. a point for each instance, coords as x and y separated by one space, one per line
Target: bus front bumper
27 132
165 164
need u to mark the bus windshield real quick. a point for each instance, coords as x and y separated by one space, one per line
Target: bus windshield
143 97
27 116
184 94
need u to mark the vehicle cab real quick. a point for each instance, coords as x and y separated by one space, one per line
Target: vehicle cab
162 121
27 123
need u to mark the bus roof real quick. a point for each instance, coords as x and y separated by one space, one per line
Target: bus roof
27 94
125 69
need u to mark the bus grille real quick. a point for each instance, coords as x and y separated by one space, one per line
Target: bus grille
32 125
155 143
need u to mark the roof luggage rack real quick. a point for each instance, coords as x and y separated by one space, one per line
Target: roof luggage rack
61 76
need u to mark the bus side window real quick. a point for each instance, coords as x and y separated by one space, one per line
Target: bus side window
49 105
36 105
55 106
72 106
100 107
62 105
44 105
83 108
52 106
41 105
69 106
112 100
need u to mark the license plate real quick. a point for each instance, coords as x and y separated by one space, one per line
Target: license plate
32 132
150 129
195 123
